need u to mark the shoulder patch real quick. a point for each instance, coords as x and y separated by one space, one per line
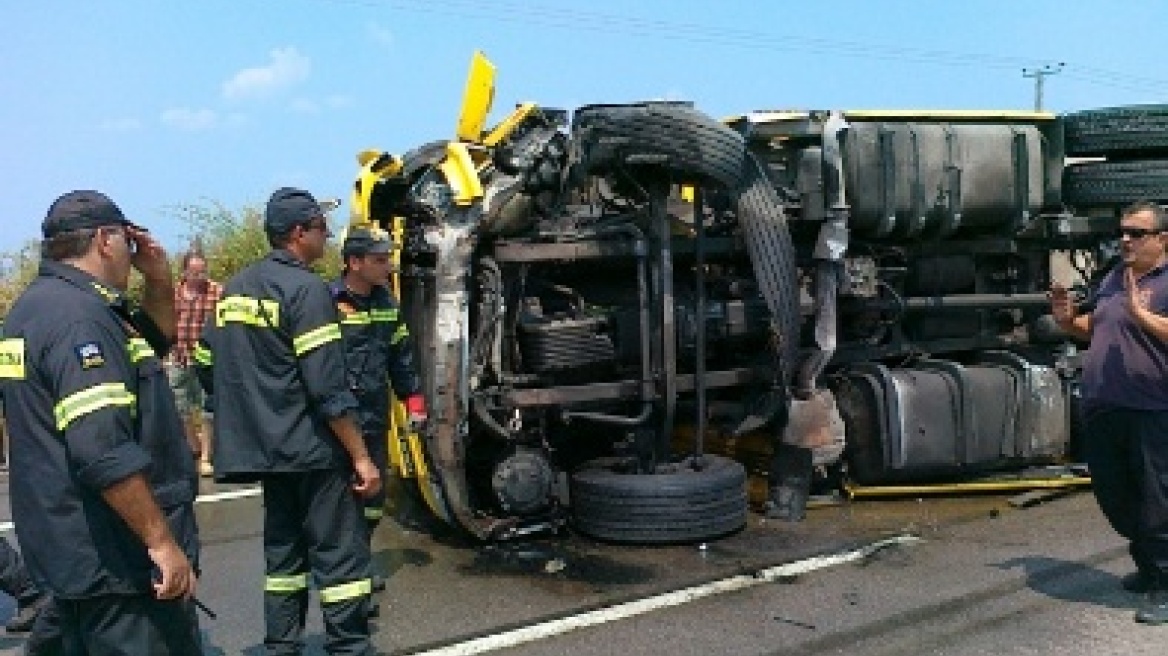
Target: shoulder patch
90 355
12 358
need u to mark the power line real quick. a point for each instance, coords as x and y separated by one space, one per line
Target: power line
526 13
1040 75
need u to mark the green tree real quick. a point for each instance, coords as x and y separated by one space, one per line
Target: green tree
232 240
17 269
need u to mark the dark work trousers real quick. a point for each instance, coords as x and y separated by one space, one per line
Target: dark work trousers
125 625
378 447
14 579
313 522
1127 453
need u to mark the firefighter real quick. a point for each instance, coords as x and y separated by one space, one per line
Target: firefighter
378 353
102 481
284 416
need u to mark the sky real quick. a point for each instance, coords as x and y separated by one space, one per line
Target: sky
178 103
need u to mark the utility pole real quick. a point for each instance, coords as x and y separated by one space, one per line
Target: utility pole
1040 75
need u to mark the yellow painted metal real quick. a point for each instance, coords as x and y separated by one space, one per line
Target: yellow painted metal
476 99
375 166
687 193
397 231
853 491
508 125
400 458
461 174
947 115
367 155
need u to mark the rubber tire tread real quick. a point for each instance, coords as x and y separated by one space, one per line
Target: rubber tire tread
692 143
1115 183
680 506
1113 130
772 254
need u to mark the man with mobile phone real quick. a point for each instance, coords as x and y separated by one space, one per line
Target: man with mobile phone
102 480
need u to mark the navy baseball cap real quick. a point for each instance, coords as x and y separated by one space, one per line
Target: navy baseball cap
366 240
289 207
82 209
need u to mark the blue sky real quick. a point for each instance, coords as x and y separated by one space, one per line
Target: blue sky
164 104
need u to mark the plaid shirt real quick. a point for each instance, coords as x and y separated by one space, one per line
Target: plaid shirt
189 316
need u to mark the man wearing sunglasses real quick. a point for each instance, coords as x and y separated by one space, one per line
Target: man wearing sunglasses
1125 398
102 480
272 356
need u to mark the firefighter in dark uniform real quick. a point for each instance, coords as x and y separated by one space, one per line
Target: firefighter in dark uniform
284 416
102 479
378 352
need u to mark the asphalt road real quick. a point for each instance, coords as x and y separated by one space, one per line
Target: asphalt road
963 575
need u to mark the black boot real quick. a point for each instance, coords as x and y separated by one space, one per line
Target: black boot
1137 581
1154 609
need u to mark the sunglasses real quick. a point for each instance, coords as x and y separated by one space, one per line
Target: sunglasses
1137 233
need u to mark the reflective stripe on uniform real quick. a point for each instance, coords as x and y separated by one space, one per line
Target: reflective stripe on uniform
401 333
383 314
12 358
202 355
357 319
346 591
248 311
91 399
139 349
286 583
374 513
315 338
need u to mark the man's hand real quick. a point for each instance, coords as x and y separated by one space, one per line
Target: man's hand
176 577
416 412
1062 306
1137 298
149 256
367 482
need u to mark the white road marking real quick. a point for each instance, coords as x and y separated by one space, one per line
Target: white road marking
228 496
551 628
202 498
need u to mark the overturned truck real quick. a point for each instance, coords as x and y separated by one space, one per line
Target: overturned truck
593 295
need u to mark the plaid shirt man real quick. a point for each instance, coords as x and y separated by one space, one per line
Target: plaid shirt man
191 309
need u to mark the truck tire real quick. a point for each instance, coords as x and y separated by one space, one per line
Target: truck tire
670 135
772 255
1139 129
675 505
1115 183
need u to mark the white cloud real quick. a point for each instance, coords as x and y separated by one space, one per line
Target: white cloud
379 34
189 119
338 102
286 68
304 106
121 125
